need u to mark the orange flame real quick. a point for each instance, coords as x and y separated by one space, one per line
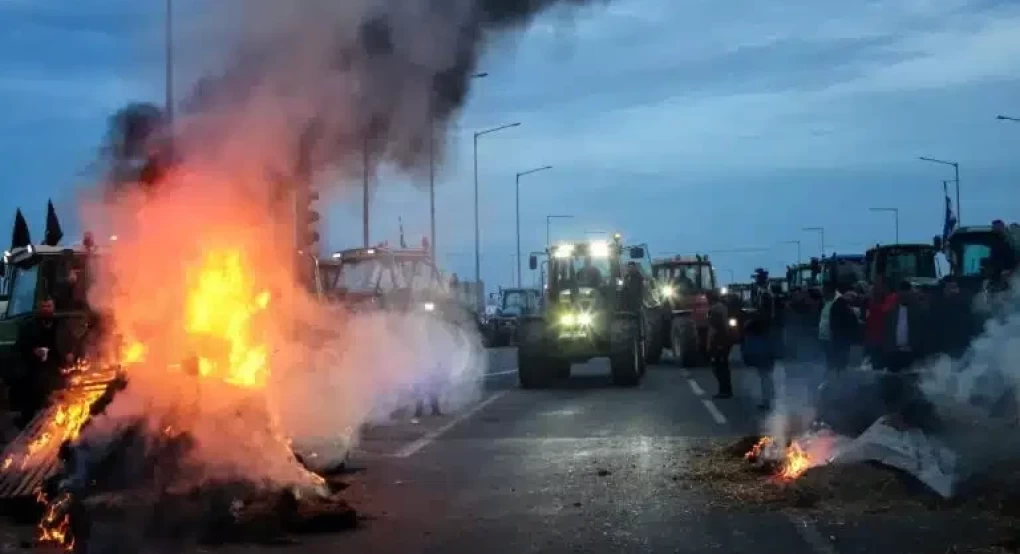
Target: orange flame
221 306
795 460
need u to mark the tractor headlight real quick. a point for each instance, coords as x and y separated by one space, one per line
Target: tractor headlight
578 319
429 307
733 322
724 290
667 291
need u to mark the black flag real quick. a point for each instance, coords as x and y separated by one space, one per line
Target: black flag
53 231
20 237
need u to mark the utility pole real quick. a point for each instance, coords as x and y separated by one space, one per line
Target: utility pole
478 233
956 171
364 205
517 189
169 76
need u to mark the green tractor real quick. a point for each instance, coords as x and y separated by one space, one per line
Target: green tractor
591 309
31 274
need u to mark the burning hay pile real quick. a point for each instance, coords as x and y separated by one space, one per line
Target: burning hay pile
806 475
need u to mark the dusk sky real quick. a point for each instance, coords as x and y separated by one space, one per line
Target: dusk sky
690 125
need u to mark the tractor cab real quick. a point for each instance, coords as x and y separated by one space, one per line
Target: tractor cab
977 253
684 281
803 276
381 277
587 274
895 263
840 269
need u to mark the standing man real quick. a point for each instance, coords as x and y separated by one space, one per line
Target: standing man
844 328
719 344
41 361
953 319
759 342
904 330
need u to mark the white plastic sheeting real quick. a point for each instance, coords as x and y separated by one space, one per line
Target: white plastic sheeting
909 450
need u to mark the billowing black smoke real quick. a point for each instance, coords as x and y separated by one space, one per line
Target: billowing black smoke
338 78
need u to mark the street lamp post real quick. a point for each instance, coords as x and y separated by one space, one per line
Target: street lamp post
956 170
797 242
478 235
821 235
896 218
548 226
517 189
432 168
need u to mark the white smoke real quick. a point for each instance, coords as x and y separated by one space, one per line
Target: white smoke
379 363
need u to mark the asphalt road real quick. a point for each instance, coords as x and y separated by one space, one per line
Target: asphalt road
584 467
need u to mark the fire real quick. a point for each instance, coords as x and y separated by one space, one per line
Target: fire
65 424
793 461
220 307
756 451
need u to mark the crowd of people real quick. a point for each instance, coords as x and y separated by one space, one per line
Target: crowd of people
885 326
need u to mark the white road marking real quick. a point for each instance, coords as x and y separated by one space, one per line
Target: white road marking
712 409
810 534
696 387
417 445
501 373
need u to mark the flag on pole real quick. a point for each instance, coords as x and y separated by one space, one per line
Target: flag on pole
20 237
950 218
53 231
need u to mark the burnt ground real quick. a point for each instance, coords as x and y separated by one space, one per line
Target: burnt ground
586 467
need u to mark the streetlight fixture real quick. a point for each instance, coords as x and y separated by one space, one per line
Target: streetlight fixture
956 169
1007 118
548 226
432 168
478 237
896 219
517 189
821 235
797 242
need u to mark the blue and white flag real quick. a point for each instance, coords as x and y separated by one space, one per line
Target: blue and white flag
950 220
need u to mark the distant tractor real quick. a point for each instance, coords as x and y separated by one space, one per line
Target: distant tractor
683 283
895 263
591 309
978 253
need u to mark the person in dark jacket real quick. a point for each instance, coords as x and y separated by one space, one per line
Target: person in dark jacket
844 328
719 343
39 346
954 320
759 340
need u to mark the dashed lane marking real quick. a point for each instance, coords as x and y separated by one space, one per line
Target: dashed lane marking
714 410
431 436
810 534
501 373
695 387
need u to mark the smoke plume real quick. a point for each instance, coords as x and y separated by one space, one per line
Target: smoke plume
322 81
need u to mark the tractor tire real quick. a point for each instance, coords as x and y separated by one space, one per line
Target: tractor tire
627 363
685 343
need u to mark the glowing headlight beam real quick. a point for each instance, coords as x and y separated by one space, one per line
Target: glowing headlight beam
733 322
598 249
667 291
564 251
584 319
